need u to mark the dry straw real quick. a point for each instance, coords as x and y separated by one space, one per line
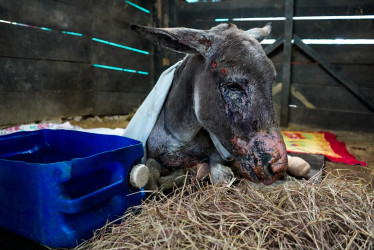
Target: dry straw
337 213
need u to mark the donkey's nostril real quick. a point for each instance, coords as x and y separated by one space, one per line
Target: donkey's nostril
254 125
268 171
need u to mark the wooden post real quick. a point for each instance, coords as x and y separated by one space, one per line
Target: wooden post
155 49
287 54
269 49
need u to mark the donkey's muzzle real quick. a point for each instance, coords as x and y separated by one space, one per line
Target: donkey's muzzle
263 159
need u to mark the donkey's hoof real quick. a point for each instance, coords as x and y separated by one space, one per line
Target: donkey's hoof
154 174
202 170
221 174
139 176
175 179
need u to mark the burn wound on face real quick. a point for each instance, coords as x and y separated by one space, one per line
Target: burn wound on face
224 71
263 146
214 64
254 125
237 100
206 42
263 155
239 145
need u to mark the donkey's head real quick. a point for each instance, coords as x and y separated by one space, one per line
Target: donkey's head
232 94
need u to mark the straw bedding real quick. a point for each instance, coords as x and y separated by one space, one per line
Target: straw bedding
337 213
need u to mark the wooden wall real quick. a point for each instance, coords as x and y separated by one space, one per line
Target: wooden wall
316 98
47 74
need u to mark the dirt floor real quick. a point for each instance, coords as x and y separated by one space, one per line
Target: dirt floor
359 144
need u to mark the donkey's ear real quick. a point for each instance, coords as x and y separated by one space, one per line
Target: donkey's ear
182 40
260 33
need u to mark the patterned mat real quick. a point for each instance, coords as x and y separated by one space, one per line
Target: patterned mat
324 143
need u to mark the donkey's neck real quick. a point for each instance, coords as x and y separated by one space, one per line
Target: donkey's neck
180 118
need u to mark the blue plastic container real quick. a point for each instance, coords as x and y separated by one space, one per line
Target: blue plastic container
57 186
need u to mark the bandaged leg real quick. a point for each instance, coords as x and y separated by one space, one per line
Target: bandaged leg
297 166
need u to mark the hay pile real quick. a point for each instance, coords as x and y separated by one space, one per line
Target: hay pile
335 214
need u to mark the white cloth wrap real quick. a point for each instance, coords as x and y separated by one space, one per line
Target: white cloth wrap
145 118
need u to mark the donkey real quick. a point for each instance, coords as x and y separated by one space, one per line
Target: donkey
219 110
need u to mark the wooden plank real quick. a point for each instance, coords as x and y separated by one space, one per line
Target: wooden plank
115 27
172 13
48 74
277 56
195 15
364 97
37 75
332 29
333 7
360 74
85 4
122 36
346 54
332 119
46 13
327 97
209 14
111 3
337 54
307 29
22 42
286 69
314 74
29 106
271 48
278 70
239 8
120 103
230 4
277 103
120 3
117 57
117 81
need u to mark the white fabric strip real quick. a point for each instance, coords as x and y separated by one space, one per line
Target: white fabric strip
145 118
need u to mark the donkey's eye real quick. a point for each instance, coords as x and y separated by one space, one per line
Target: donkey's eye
234 86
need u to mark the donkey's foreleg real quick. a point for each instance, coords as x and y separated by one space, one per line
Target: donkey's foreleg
167 182
177 178
202 170
154 174
219 173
